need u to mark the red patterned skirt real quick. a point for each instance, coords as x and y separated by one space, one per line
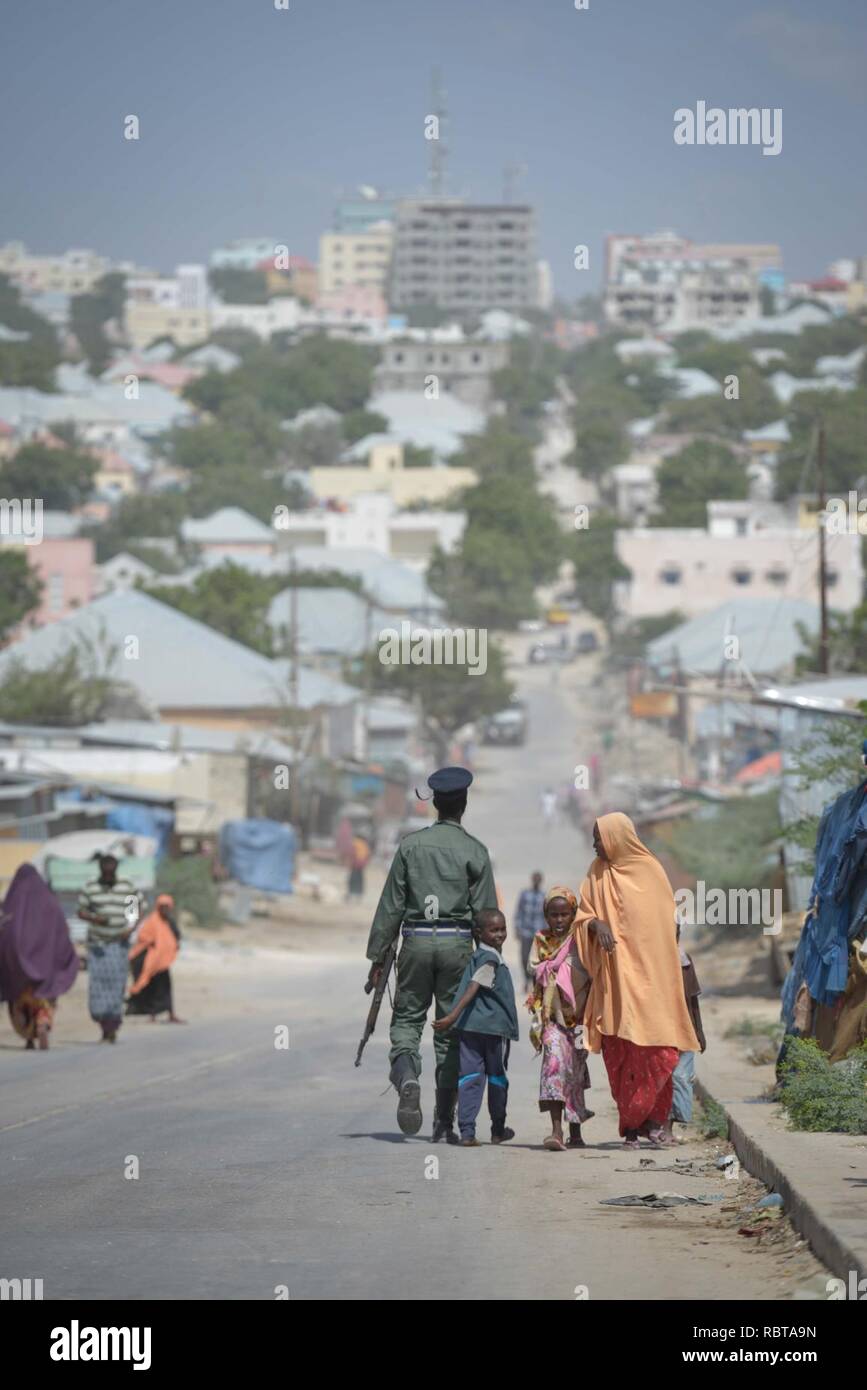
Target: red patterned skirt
640 1081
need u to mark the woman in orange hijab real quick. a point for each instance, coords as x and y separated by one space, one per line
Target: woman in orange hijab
155 949
636 1011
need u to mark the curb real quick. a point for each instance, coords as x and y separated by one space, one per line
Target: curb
832 1249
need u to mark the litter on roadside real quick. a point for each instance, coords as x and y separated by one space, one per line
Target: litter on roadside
659 1200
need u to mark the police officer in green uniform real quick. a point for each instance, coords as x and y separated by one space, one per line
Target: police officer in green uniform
439 879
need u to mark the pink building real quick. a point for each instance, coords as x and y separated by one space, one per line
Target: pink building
353 303
66 567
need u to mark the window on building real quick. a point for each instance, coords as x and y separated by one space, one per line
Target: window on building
777 577
742 576
671 574
831 577
55 593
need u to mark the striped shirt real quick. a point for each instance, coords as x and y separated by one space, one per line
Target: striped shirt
116 902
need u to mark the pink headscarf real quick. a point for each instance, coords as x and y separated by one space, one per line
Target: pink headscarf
559 967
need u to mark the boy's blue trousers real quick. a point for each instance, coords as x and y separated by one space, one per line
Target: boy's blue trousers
483 1059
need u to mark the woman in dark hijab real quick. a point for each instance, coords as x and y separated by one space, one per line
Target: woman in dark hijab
37 958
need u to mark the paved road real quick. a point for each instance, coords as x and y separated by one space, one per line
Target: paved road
261 1168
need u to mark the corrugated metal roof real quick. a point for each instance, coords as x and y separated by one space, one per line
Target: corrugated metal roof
765 629
180 663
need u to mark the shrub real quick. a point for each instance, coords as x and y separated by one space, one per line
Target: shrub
713 1120
822 1095
189 881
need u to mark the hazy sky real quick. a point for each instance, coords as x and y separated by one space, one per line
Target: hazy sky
254 120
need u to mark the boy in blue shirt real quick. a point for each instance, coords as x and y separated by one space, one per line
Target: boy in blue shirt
485 1016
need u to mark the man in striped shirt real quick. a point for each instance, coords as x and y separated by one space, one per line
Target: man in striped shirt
111 907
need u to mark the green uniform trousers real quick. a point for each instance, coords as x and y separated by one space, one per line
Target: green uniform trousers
428 968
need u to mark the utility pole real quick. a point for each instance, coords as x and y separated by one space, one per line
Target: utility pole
824 662
293 691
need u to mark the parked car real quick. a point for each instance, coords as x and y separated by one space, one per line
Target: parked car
531 625
507 726
537 654
586 641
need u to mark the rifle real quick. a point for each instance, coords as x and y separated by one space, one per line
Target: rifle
378 992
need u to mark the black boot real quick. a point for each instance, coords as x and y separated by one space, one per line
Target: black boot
444 1115
403 1078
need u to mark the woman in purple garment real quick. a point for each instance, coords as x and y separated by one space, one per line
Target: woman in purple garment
37 958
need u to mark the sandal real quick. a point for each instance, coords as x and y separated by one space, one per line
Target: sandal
552 1142
631 1144
659 1139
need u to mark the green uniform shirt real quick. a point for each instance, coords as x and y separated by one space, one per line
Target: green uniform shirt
439 874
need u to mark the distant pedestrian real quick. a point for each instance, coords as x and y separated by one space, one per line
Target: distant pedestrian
359 857
154 951
485 1018
37 958
683 1076
548 806
529 918
111 906
560 989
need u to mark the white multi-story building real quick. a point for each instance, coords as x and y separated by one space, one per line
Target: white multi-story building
167 306
667 283
464 257
373 522
279 315
748 550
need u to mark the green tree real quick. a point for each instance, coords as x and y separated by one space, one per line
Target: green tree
229 599
511 544
845 417
316 371
499 452
238 485
63 478
449 696
628 644
236 286
20 590
89 313
74 688
847 644
702 472
157 515
357 424
529 380
596 565
599 420
31 362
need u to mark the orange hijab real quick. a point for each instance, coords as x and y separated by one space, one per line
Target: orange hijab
155 937
636 991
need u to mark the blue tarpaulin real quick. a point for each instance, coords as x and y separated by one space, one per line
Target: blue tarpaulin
138 819
259 853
